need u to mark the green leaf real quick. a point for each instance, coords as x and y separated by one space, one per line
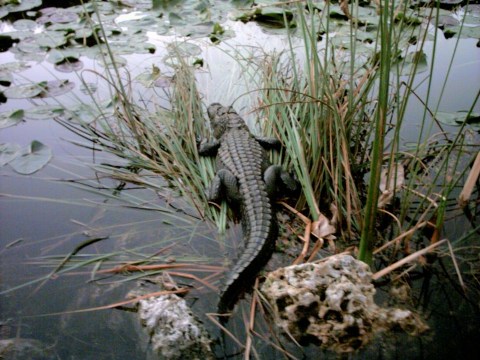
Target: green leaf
8 152
24 91
415 60
32 158
10 118
457 118
24 5
44 112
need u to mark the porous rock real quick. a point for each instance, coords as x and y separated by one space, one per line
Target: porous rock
174 331
331 304
25 349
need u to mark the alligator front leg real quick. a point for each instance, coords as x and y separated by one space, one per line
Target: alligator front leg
269 143
278 181
208 148
224 185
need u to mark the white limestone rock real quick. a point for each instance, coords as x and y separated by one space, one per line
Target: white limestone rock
174 332
331 304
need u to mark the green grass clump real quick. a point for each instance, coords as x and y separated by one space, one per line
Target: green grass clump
341 124
339 116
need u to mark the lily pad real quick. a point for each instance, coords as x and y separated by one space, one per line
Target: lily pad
88 88
415 60
3 12
25 56
220 34
451 2
51 39
143 21
445 21
132 46
8 152
24 24
270 17
57 56
31 159
176 20
11 118
69 65
154 78
117 61
6 78
83 33
24 91
44 112
14 66
463 32
6 42
23 5
195 31
457 118
30 45
183 49
85 114
56 88
63 16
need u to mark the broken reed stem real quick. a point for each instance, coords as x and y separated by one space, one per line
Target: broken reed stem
251 322
406 260
139 268
318 245
195 278
306 244
211 317
454 260
285 352
117 304
401 236
308 229
472 178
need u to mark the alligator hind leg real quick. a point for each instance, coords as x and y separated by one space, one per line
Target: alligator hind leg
279 181
224 185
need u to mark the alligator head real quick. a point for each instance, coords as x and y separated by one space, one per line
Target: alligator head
224 118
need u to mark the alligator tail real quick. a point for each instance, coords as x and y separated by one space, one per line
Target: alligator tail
259 248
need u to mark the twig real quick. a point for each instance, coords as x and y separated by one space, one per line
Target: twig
66 259
406 260
457 269
295 211
211 317
464 196
251 322
306 239
285 352
135 268
318 245
306 244
401 236
193 277
117 304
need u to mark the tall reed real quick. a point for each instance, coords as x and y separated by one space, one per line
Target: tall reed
334 120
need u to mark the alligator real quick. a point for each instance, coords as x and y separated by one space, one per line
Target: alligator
249 183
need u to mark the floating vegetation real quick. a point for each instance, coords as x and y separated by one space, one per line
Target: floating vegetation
8 152
30 159
459 118
44 112
24 91
11 118
60 28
